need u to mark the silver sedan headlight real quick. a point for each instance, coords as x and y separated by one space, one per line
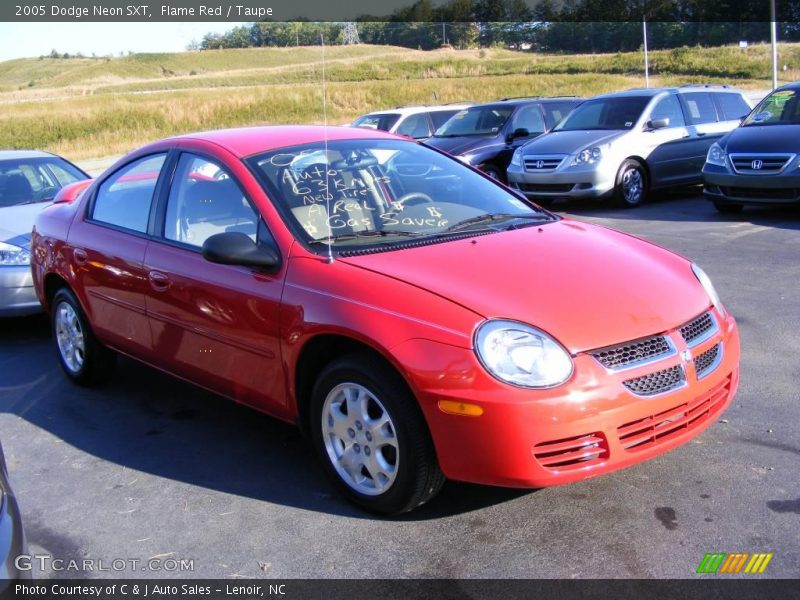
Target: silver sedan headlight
522 355
705 281
13 256
588 156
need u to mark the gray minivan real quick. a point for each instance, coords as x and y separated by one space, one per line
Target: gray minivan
628 143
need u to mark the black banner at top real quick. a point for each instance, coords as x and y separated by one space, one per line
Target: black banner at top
450 11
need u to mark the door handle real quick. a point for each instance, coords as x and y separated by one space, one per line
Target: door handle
80 256
700 134
159 281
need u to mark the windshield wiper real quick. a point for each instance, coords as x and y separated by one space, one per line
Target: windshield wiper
366 234
493 218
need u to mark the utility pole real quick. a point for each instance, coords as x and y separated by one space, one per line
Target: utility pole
646 64
444 35
774 36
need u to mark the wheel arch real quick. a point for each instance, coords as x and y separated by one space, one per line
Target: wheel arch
52 283
320 350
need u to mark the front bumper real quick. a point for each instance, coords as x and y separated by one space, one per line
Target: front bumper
517 440
17 294
722 185
12 542
590 181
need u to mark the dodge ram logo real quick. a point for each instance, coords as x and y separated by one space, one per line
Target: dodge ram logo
757 164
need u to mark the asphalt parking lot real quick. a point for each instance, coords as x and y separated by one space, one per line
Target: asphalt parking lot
149 466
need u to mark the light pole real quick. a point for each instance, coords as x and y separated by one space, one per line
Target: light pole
774 37
646 64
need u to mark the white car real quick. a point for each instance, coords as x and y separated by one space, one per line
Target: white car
418 122
29 180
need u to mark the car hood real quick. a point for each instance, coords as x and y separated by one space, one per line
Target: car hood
765 138
586 285
570 142
462 144
16 222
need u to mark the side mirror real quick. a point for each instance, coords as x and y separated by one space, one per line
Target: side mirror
517 133
236 248
658 123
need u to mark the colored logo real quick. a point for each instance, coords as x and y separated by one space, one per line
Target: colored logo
740 562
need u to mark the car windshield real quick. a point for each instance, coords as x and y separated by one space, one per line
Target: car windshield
384 122
621 112
30 180
779 108
478 120
361 193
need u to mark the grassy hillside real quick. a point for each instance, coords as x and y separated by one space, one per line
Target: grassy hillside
95 107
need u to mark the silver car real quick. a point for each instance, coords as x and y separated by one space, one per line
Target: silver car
29 181
628 143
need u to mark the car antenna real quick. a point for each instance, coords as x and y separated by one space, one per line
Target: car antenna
325 142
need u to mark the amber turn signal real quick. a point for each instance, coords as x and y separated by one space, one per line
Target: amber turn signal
451 407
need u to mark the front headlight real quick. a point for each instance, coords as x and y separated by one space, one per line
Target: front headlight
705 281
716 156
522 355
13 256
516 158
588 156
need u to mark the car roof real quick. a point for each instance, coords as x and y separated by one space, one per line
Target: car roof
686 89
412 110
529 100
21 154
246 141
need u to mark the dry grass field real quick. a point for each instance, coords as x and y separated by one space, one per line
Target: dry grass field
92 107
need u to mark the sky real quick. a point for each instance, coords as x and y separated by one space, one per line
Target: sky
18 40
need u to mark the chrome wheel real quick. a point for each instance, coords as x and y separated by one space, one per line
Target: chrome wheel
69 335
360 439
632 186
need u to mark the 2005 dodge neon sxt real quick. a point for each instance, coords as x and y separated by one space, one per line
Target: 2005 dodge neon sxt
419 320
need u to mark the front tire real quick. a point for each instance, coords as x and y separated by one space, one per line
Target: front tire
631 184
494 172
371 437
83 358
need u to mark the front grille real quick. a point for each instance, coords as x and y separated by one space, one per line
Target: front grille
657 382
547 188
761 193
547 162
578 451
633 353
649 431
699 329
760 164
707 361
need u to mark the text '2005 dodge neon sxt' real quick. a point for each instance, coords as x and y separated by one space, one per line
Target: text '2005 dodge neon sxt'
417 319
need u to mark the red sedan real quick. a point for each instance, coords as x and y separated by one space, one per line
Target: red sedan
417 319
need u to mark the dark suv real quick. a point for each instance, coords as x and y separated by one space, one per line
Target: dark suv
486 135
757 163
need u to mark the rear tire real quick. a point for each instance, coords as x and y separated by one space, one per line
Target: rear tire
727 207
631 185
83 358
371 437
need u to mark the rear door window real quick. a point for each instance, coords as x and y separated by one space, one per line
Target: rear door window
732 107
124 199
699 108
415 126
